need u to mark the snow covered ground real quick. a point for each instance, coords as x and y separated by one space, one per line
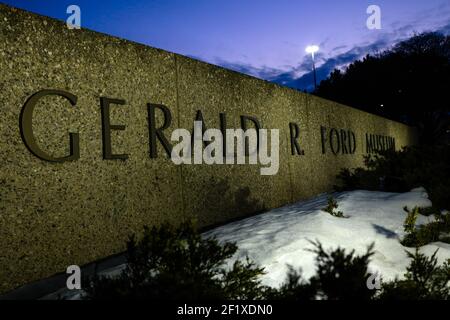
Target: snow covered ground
282 236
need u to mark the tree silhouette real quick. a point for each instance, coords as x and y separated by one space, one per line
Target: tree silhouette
408 83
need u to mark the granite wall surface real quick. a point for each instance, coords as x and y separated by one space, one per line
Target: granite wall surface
58 213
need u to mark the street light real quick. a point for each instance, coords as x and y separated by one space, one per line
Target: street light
313 49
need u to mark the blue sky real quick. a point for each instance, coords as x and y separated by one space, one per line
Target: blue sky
263 38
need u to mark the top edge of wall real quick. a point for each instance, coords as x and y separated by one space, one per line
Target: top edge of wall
5 7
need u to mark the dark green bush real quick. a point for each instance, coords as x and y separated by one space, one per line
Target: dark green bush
429 211
178 264
339 276
424 280
410 222
331 208
295 288
342 276
401 171
438 230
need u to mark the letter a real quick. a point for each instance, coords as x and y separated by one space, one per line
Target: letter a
374 20
74 21
74 280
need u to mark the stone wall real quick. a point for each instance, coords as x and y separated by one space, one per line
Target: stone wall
54 214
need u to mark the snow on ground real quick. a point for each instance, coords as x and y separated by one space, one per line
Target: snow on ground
282 236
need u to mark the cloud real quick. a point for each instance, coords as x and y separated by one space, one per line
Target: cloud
445 29
301 76
266 73
339 48
306 81
339 56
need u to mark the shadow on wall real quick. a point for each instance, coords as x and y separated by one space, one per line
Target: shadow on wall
222 199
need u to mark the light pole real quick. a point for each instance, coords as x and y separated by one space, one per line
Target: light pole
313 49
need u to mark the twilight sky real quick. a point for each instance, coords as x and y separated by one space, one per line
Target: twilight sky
263 38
